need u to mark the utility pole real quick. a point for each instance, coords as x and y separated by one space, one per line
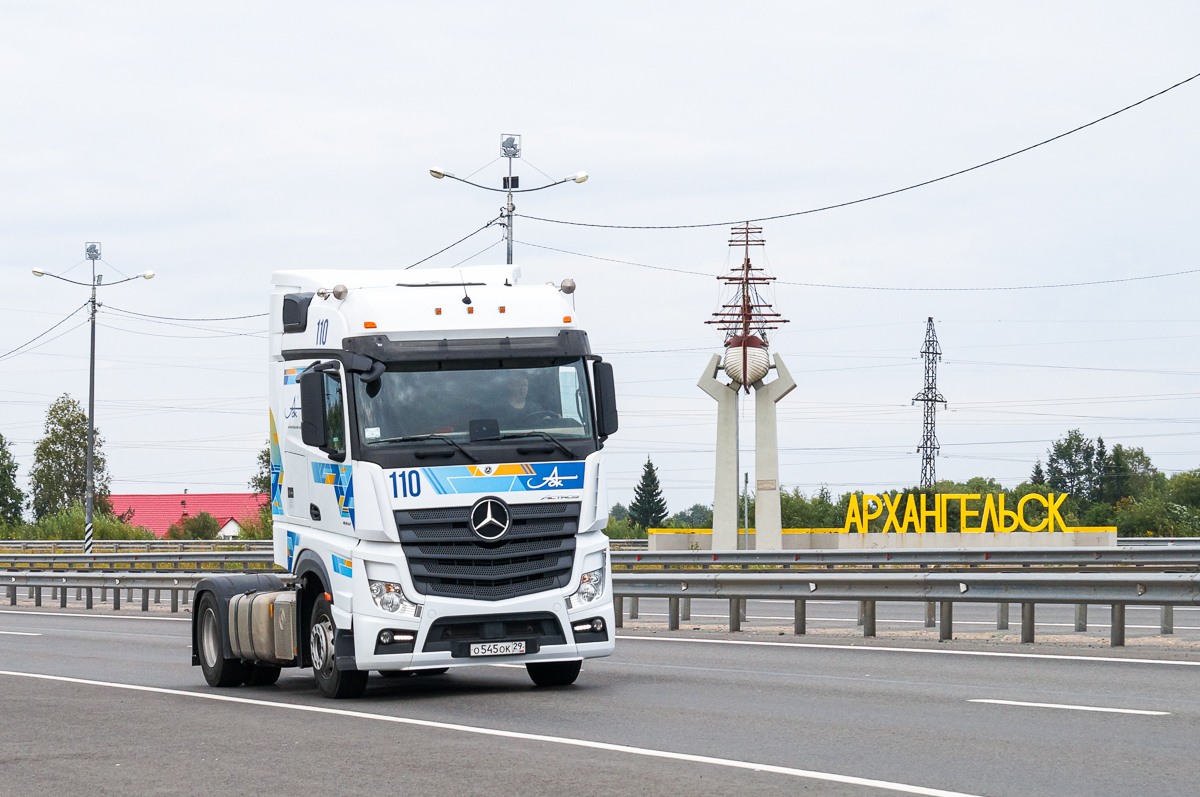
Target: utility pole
510 147
92 249
930 397
92 252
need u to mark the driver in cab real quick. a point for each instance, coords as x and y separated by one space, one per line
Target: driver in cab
521 409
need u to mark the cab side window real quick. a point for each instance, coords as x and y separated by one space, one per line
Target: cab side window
335 414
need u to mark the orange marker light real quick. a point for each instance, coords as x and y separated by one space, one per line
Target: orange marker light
566 319
502 309
470 310
437 311
369 324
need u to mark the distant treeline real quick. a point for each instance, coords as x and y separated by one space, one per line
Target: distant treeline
1120 488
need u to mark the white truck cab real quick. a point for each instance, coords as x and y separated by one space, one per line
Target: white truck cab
437 484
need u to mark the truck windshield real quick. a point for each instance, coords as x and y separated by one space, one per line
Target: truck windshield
472 403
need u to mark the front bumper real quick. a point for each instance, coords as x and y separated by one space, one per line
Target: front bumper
367 628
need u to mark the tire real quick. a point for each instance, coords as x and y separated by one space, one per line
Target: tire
260 674
334 683
210 641
553 673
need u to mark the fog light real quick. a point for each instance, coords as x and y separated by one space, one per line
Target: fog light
595 626
385 637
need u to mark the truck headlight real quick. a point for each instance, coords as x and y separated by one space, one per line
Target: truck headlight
390 598
591 587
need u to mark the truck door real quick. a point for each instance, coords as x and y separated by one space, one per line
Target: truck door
330 472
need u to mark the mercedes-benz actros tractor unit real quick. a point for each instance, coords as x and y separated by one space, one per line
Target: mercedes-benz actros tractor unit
437 486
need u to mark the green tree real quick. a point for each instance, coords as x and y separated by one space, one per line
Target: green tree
260 527
12 498
618 512
649 508
260 482
697 516
1071 465
201 526
1039 475
67 524
1185 488
58 478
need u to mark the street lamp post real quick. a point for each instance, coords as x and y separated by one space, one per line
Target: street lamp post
510 147
92 250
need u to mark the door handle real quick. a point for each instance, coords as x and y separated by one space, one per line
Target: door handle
314 512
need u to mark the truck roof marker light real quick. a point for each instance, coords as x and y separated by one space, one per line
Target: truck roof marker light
369 325
470 310
437 311
502 308
566 319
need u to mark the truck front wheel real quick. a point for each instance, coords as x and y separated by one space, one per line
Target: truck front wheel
218 670
553 673
331 681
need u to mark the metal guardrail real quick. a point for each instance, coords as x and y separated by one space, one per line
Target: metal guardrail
945 589
179 586
223 560
1143 556
131 546
1185 557
1158 540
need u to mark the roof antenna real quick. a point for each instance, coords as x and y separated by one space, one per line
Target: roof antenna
462 279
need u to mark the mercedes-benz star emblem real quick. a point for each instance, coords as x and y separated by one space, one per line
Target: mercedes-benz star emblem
490 518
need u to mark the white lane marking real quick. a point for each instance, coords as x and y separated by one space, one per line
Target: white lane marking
532 737
1073 708
18 633
788 619
1051 656
104 616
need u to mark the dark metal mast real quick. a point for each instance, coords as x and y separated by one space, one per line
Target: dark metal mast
932 352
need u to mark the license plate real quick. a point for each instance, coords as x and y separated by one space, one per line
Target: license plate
498 648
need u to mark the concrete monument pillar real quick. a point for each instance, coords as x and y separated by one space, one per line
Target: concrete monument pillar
725 500
768 523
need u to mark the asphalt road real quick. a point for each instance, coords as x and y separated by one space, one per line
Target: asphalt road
688 712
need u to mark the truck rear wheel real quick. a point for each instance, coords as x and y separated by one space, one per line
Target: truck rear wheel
553 673
331 681
218 670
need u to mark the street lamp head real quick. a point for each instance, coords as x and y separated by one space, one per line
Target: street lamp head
439 173
579 177
37 272
148 275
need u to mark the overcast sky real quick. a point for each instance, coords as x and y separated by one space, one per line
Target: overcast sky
216 143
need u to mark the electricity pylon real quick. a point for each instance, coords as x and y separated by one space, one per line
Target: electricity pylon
932 352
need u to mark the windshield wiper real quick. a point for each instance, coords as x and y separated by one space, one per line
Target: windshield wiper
417 437
543 435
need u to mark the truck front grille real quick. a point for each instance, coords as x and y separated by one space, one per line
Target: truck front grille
446 558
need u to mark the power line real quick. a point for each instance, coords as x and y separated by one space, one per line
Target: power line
456 243
882 287
42 335
873 196
180 318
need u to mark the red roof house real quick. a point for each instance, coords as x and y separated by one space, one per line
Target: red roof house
159 512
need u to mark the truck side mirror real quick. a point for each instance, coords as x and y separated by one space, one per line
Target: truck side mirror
312 408
606 399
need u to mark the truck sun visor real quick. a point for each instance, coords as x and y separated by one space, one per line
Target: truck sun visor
295 311
567 343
